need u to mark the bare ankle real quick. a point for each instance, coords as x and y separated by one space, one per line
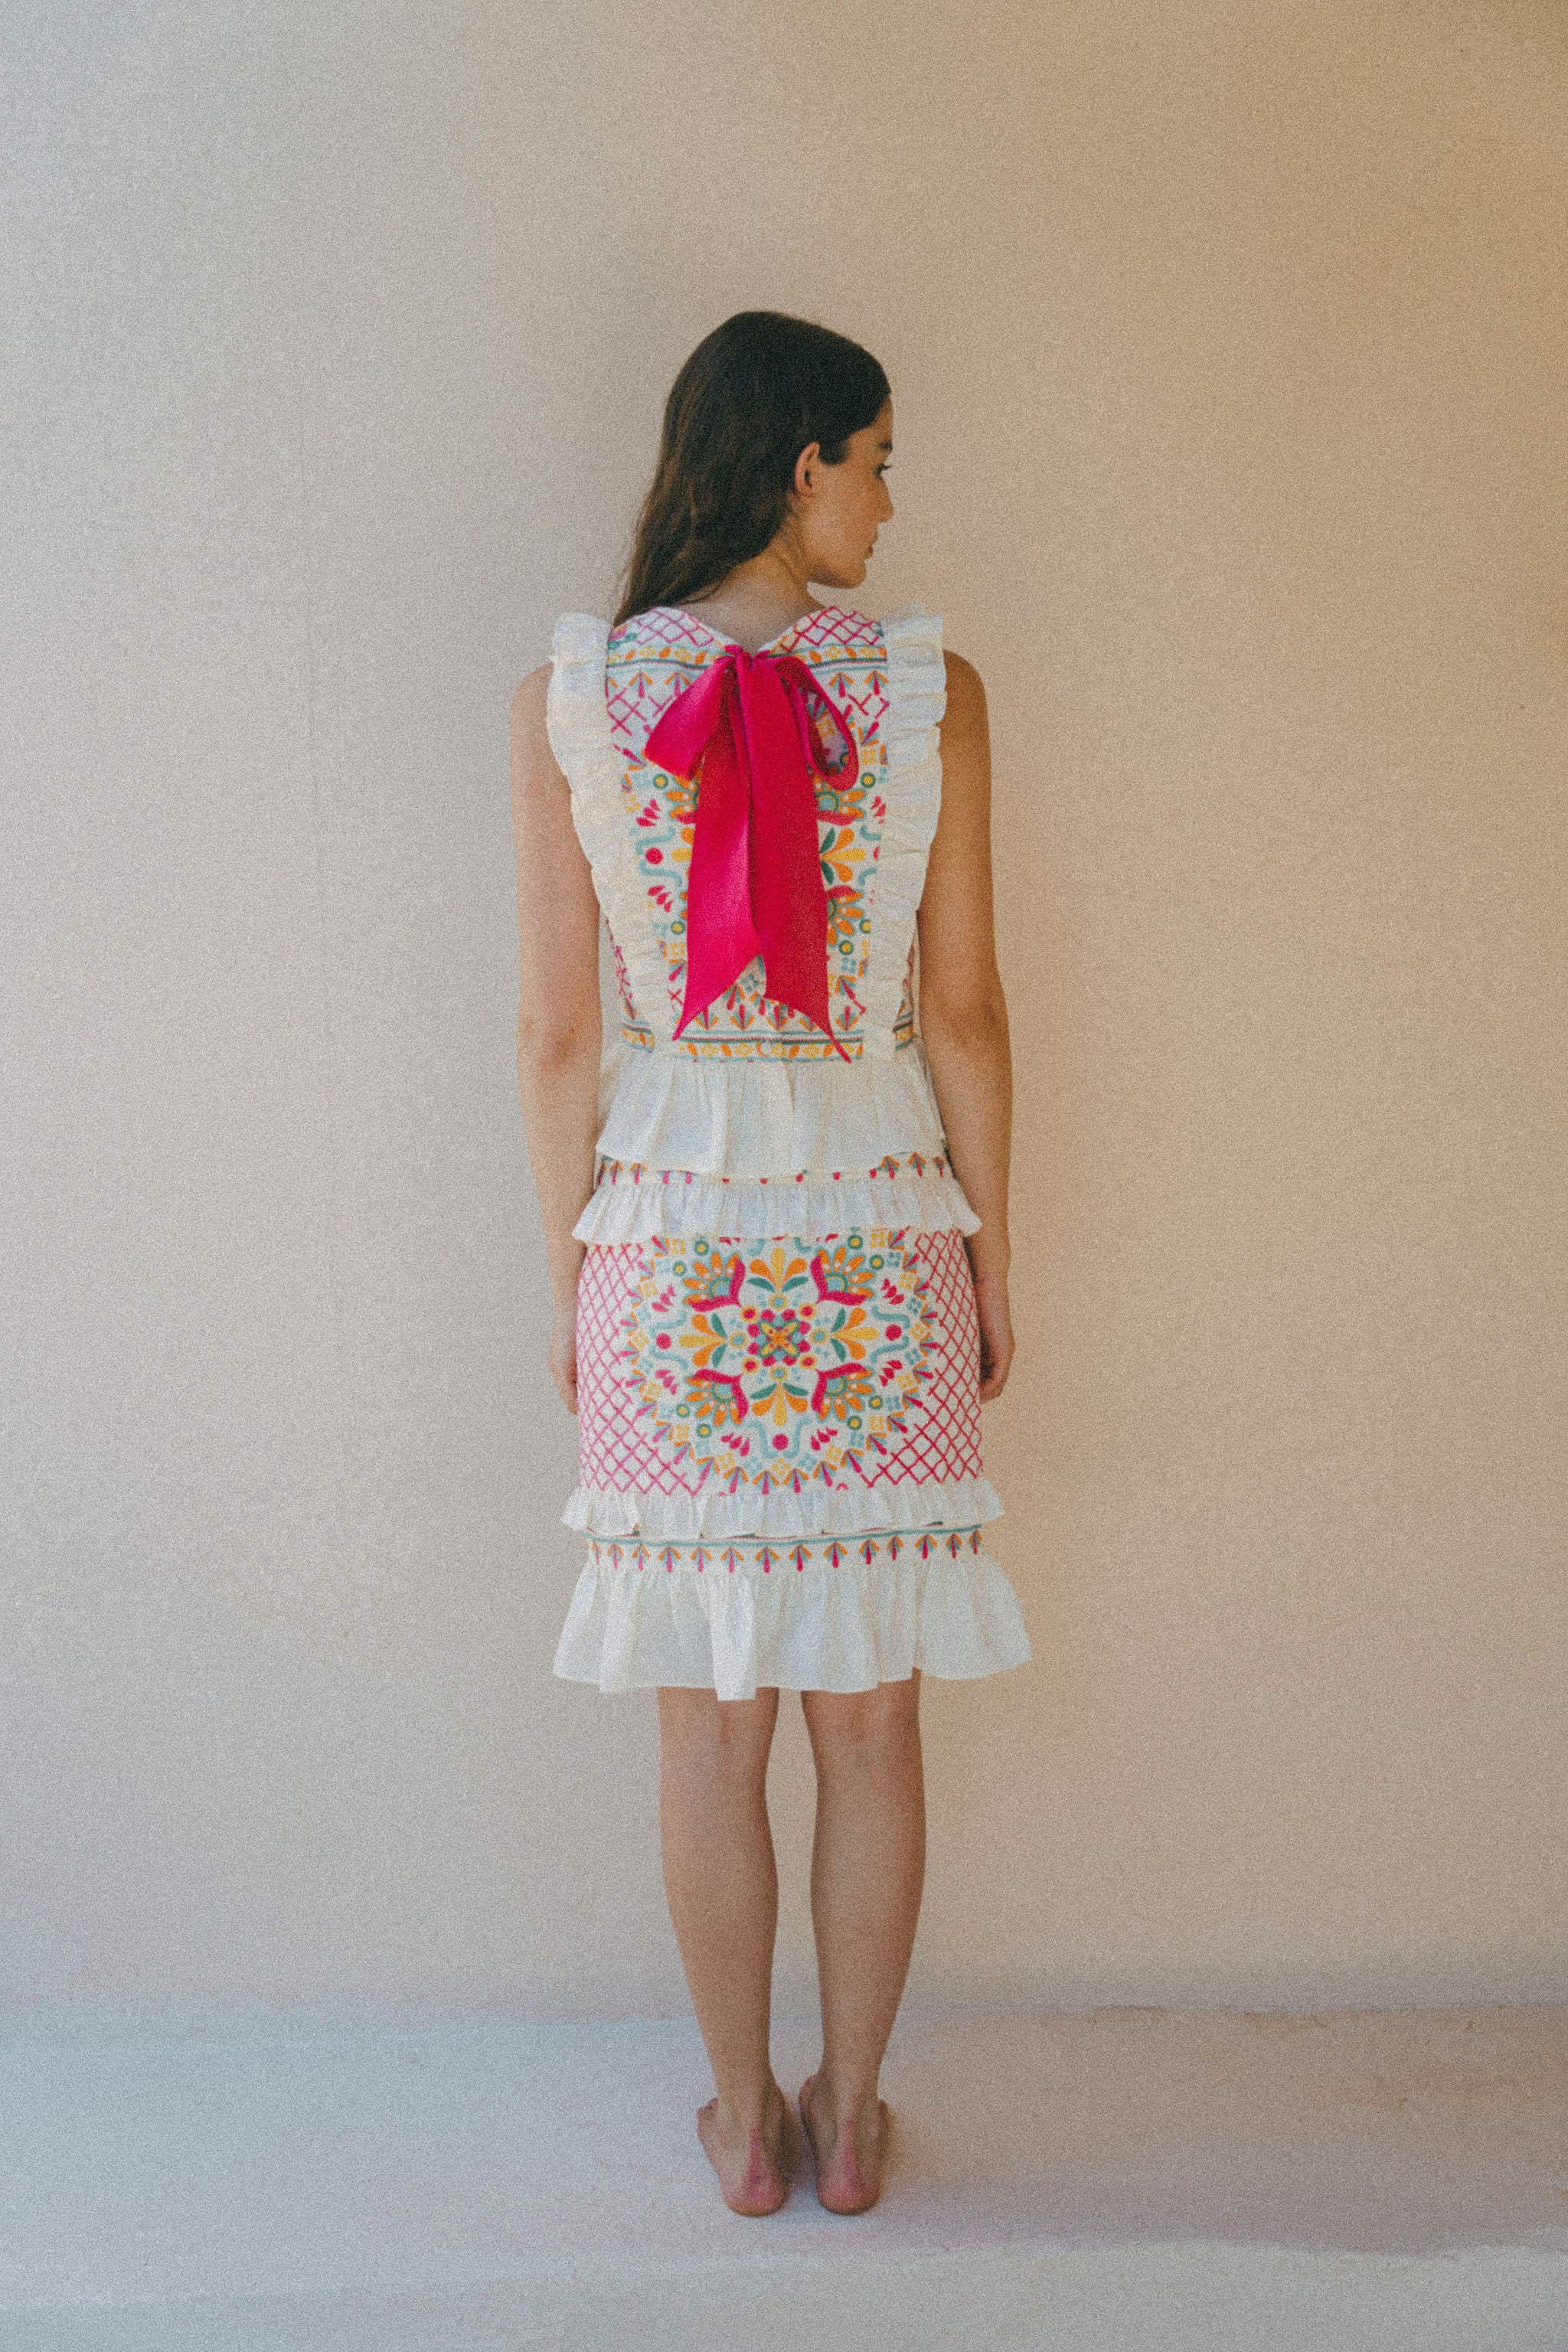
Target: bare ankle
748 2112
755 2162
844 2101
848 2138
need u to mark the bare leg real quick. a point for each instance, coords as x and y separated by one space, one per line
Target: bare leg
723 1885
867 1870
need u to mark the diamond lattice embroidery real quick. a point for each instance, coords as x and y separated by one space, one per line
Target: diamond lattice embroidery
627 1446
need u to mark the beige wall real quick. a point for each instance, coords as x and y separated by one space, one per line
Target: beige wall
1226 351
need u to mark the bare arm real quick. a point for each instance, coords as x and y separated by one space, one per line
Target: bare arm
964 1014
558 1018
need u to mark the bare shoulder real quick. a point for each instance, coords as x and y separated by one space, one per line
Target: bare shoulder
966 696
535 770
528 703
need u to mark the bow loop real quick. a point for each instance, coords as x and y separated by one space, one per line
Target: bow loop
749 728
678 740
812 706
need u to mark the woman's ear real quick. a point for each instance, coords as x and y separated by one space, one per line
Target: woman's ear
803 466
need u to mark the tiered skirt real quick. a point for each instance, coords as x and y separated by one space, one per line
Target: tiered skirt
780 1468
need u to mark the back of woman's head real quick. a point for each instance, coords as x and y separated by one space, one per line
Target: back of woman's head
752 395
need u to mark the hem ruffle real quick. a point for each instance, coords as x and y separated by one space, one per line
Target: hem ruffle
770 1119
842 1628
819 1510
756 1210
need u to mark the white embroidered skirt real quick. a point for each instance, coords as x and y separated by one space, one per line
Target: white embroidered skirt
780 1465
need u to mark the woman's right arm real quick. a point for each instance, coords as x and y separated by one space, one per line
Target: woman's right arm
558 1017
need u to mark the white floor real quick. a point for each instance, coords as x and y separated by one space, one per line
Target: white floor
1138 2181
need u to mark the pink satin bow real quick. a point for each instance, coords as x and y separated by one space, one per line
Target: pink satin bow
756 887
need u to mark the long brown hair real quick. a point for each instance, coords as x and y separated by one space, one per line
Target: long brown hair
754 393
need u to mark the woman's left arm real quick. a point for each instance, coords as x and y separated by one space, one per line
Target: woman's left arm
964 1014
558 1018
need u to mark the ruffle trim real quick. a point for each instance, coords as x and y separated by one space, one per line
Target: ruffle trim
770 1119
577 720
753 1209
917 698
820 1510
874 1616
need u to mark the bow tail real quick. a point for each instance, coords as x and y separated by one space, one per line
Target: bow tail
788 892
812 1004
722 935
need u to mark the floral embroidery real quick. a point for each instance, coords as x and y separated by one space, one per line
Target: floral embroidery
754 1556
632 1172
634 1030
651 659
775 1364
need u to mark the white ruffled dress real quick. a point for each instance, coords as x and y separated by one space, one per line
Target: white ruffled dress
780 1475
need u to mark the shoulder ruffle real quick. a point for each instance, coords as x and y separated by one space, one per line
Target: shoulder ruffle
917 697
822 1510
840 1627
577 720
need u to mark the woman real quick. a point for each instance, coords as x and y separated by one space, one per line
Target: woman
780 1257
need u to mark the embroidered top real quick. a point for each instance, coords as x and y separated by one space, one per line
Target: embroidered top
752 1090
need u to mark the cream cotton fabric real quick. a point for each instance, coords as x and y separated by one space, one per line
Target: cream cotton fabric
781 1480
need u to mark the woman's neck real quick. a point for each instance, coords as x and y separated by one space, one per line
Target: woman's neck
758 601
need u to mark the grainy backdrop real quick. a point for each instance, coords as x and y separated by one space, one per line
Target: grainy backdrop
1226 347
